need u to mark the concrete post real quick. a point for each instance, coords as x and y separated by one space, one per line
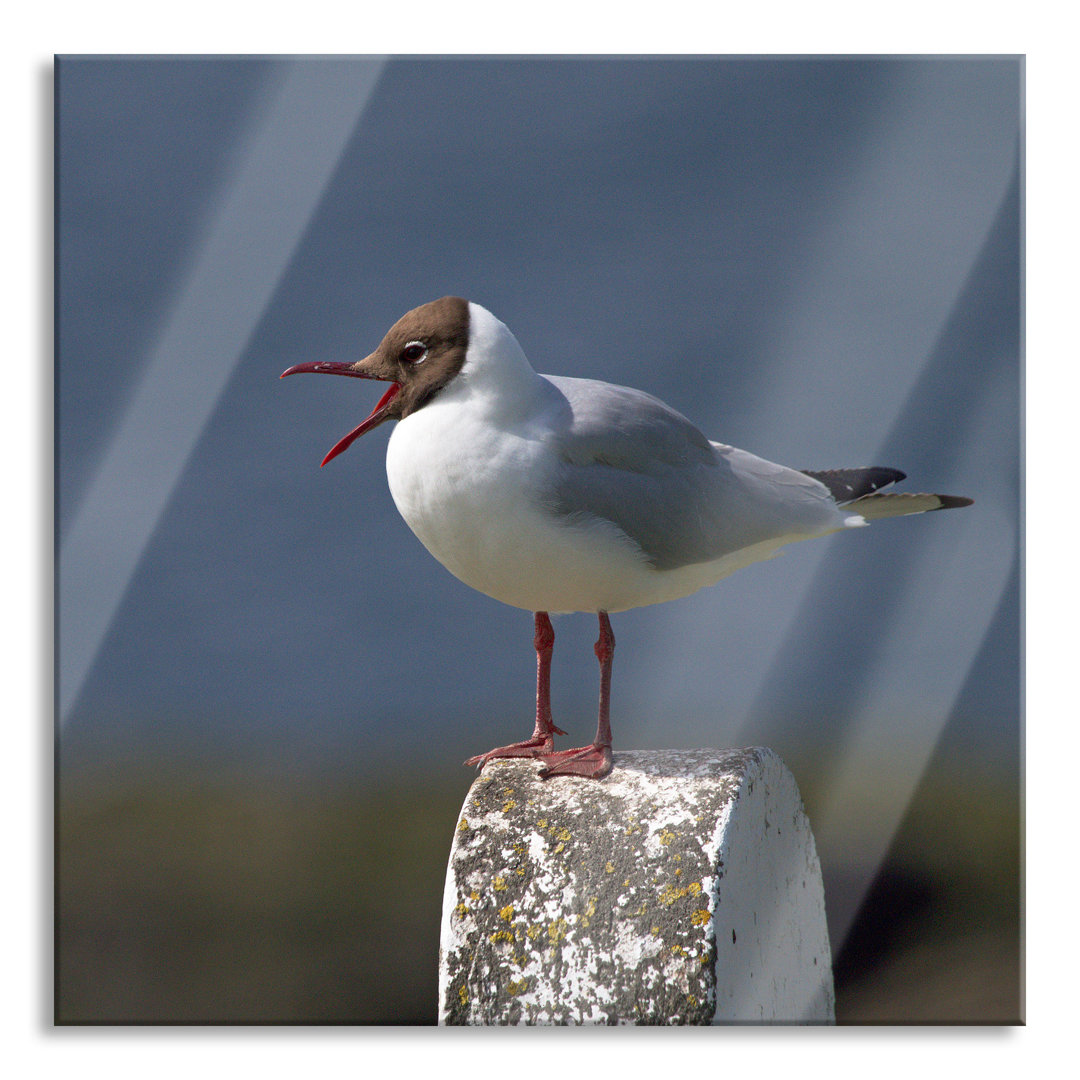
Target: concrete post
684 888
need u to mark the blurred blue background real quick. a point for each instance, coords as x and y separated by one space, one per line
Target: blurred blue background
818 260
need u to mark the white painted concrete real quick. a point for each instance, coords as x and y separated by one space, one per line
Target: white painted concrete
684 888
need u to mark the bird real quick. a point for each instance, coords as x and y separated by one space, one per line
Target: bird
557 494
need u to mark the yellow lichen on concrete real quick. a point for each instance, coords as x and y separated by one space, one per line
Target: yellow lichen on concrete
669 894
499 884
588 913
506 913
556 930
700 917
502 935
517 986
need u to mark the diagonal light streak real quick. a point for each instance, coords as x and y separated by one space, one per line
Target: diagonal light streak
953 597
839 367
289 160
934 630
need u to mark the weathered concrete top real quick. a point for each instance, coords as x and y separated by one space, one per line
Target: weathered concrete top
682 888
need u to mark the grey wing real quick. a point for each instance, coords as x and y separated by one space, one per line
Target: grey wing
626 457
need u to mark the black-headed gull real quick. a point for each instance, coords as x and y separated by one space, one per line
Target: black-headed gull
558 495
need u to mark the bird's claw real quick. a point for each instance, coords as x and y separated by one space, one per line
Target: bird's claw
593 761
530 748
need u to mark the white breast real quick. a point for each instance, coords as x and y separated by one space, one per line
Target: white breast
467 488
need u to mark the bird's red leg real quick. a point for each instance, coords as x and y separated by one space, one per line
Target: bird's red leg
544 731
592 761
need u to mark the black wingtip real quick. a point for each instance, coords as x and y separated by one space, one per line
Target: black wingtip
953 502
847 485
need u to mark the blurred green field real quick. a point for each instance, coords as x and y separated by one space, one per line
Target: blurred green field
187 894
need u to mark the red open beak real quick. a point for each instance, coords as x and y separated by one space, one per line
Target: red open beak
376 416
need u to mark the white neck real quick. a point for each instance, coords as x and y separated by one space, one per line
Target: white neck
495 366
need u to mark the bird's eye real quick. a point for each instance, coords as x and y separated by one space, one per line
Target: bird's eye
414 352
